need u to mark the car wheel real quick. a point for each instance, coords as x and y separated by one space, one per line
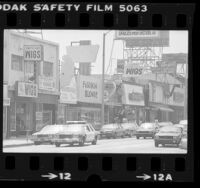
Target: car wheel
94 142
156 144
37 143
57 144
82 141
144 137
137 137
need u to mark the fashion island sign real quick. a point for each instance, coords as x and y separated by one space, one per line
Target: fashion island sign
89 89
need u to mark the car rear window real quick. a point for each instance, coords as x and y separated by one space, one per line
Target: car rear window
147 125
170 129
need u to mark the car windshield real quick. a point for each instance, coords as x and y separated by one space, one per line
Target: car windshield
51 128
147 125
170 130
109 126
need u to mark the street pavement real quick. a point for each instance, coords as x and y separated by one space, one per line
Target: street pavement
121 145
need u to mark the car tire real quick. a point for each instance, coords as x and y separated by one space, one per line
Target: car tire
94 142
37 143
137 137
82 141
57 144
156 144
144 137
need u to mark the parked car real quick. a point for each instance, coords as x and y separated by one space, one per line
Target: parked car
146 130
168 135
183 143
45 135
76 133
129 128
112 131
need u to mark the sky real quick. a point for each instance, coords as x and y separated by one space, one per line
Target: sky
178 43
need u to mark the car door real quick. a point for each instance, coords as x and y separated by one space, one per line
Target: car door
88 134
92 132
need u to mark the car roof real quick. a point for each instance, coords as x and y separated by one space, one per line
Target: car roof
75 122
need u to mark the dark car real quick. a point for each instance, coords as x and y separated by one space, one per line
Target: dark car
168 135
112 131
146 130
129 128
76 133
46 134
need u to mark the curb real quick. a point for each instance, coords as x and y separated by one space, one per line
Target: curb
17 145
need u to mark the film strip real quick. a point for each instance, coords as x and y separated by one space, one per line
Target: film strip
86 166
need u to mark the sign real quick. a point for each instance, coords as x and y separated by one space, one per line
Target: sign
109 89
89 89
6 102
68 96
133 70
165 68
130 34
26 89
133 95
32 52
46 83
120 65
143 38
83 53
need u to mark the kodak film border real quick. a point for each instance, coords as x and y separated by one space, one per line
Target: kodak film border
107 167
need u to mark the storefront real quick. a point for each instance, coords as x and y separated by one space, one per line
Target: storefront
160 112
21 111
6 104
46 110
133 101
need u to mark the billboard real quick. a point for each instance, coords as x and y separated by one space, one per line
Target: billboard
133 95
165 68
32 53
89 89
83 53
143 38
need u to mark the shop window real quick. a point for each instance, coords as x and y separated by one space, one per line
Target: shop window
48 69
16 62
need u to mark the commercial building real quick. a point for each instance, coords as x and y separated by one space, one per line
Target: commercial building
31 77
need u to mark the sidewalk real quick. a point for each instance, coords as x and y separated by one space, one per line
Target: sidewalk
16 142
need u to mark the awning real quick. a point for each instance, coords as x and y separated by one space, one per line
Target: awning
162 108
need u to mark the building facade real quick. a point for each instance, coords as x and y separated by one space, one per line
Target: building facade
31 74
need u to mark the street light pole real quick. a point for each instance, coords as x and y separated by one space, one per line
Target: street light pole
103 67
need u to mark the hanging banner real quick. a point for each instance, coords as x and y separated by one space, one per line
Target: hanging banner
46 83
25 89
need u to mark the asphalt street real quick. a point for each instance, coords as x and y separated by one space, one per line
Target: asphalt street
121 145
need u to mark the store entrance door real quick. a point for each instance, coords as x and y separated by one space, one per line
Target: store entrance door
22 118
47 118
